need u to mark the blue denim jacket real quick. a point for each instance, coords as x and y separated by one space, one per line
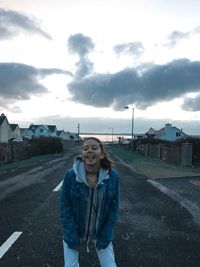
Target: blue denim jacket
73 207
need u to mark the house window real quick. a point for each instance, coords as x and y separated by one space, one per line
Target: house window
178 134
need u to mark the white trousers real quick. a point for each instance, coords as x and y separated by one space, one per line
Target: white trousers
106 256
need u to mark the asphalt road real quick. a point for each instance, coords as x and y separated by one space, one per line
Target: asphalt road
154 230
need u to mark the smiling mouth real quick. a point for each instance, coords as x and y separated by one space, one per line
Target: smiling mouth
90 157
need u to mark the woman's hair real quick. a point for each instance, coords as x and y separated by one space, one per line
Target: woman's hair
106 162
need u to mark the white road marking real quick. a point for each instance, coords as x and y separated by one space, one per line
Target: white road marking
191 207
58 187
5 247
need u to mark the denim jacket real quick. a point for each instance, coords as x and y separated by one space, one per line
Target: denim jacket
73 207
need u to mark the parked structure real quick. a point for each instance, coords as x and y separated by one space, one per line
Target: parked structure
25 133
52 130
64 135
41 130
15 132
4 129
168 133
151 132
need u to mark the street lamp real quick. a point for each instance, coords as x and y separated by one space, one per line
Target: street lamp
78 131
132 126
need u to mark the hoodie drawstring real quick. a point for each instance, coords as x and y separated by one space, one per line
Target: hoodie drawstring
89 220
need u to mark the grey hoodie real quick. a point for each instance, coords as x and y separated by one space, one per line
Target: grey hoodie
79 169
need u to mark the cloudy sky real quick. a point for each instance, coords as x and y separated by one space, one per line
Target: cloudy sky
66 62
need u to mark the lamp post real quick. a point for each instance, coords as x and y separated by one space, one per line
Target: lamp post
132 126
78 131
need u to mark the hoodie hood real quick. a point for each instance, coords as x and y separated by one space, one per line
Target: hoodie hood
79 169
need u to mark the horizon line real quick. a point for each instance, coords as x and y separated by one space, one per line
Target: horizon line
91 133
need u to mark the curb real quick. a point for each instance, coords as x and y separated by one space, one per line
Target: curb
192 208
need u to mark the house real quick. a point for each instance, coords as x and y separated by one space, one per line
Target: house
150 133
169 133
38 131
74 136
15 132
4 129
25 133
63 135
41 130
139 135
60 134
52 130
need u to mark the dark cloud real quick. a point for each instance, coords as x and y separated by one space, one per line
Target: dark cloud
192 104
9 106
44 72
135 49
176 36
13 22
81 45
142 88
92 91
84 67
20 81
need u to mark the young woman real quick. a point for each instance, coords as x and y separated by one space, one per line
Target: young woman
90 204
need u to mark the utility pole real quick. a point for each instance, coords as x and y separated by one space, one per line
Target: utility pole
112 133
132 127
78 131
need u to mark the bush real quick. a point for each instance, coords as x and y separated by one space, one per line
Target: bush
45 145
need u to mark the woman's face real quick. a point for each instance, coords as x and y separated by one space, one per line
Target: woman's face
91 152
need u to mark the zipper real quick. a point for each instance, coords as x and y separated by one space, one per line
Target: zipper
90 213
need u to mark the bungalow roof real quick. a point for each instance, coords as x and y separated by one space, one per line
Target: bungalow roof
13 126
33 126
52 128
162 130
59 132
2 118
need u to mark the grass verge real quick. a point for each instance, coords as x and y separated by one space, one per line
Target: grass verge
154 169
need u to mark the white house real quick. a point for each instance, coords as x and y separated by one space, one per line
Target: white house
169 133
151 132
4 129
68 136
63 135
38 131
15 132
47 131
52 130
25 133
74 136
